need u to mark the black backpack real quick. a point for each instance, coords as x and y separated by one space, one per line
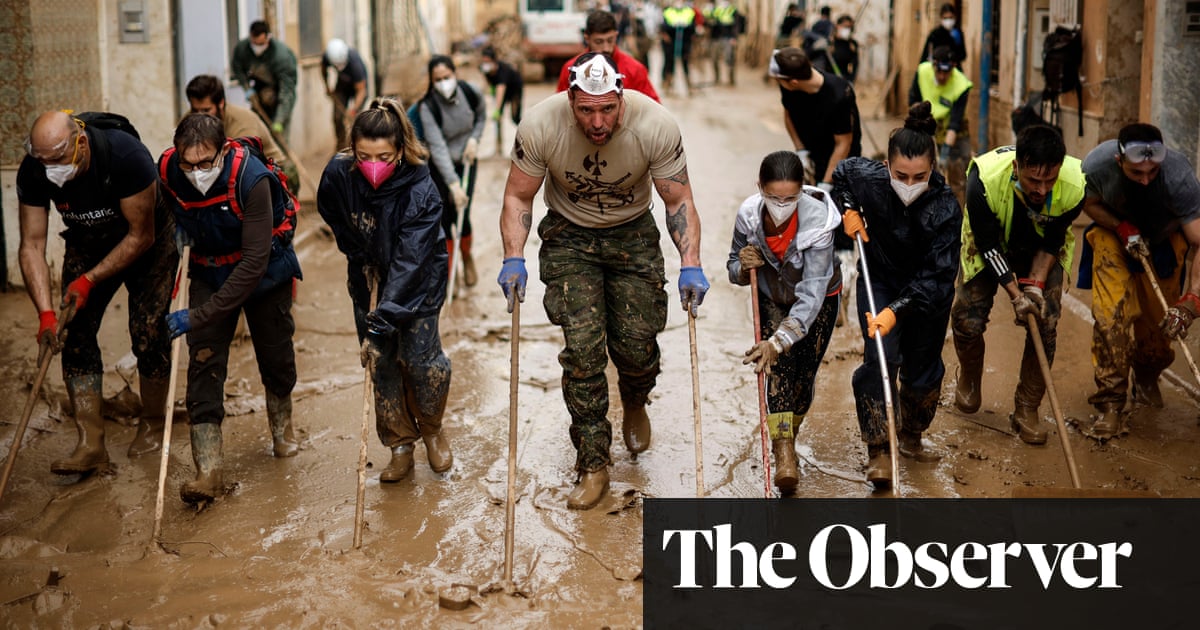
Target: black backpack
414 111
100 146
1062 55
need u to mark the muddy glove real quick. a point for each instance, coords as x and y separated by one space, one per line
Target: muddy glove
1179 317
1131 238
763 355
182 239
1034 290
77 292
178 323
1022 306
512 280
749 257
459 196
471 151
47 334
370 352
853 225
883 323
692 287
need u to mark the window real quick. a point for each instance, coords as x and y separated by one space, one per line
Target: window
311 41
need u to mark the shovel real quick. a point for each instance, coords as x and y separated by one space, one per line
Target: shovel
762 387
883 369
510 503
696 404
180 303
368 398
1187 353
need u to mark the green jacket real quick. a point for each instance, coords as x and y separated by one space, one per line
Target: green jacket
273 75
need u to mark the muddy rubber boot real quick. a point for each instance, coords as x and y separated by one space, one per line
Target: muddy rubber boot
1109 423
1025 422
879 467
437 449
787 474
279 417
89 454
148 438
967 395
591 488
1145 390
206 454
635 428
469 275
400 466
912 447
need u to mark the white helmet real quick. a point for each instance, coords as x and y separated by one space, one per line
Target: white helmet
337 52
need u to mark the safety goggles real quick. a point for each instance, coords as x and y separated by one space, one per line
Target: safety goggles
1138 152
60 151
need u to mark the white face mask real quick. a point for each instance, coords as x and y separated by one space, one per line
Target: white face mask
487 67
203 179
908 193
259 50
446 87
780 212
845 32
948 23
60 174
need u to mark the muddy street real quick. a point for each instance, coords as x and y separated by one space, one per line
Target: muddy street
277 551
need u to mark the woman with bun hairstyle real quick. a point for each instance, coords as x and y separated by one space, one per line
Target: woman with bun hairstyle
910 223
786 232
386 215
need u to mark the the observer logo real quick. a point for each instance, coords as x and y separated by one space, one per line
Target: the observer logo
890 564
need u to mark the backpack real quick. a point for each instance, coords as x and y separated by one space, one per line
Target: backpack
1062 55
254 146
414 113
100 146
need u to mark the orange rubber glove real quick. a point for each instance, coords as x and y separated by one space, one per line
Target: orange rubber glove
852 224
884 322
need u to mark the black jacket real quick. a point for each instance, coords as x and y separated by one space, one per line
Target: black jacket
914 249
397 230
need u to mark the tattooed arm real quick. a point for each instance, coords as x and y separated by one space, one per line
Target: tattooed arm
683 222
516 217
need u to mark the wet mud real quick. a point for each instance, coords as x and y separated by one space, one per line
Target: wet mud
277 551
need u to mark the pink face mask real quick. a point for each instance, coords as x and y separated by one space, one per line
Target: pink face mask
376 172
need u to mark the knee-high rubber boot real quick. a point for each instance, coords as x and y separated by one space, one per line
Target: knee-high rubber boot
89 454
967 396
148 438
206 454
279 416
783 446
469 275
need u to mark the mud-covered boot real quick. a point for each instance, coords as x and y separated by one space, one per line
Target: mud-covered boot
879 467
148 437
437 449
1109 423
469 275
1025 422
89 454
279 416
591 488
1145 390
635 428
787 474
967 394
912 447
400 465
206 454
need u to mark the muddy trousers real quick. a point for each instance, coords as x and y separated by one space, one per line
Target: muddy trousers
790 385
670 51
1127 313
269 319
604 287
412 382
148 282
914 356
969 318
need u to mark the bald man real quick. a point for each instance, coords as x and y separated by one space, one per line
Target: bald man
105 187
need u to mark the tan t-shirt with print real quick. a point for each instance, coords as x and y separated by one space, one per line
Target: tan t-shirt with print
599 186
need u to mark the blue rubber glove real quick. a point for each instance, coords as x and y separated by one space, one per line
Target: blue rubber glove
692 287
178 323
512 280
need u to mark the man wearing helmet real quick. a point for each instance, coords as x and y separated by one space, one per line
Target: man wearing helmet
349 87
599 149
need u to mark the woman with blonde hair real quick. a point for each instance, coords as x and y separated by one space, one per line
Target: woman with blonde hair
385 212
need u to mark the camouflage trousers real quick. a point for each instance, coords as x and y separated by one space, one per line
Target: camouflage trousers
791 383
604 287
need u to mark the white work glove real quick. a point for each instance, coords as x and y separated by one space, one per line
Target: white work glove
459 195
471 151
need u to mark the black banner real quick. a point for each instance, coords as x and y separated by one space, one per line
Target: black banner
922 563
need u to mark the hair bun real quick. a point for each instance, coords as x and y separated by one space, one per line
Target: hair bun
920 118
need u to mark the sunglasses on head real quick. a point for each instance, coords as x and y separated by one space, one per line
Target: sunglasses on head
1138 152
